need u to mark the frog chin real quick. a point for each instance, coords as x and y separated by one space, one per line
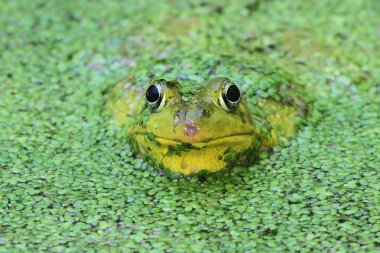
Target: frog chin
192 157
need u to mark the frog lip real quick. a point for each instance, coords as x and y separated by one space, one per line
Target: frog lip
222 138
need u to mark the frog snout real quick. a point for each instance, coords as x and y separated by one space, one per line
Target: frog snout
189 120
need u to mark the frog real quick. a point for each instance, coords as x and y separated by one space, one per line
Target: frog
190 115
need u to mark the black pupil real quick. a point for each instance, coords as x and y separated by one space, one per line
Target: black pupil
152 94
233 94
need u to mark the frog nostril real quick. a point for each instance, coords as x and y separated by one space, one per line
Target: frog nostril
203 112
181 114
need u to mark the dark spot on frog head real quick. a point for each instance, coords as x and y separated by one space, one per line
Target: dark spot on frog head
203 113
181 114
190 129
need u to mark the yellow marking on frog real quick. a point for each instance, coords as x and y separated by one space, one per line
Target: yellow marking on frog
282 122
124 102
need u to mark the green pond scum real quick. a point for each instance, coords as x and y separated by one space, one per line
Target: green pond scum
72 181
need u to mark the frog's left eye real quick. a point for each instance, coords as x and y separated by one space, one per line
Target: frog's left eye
155 96
229 96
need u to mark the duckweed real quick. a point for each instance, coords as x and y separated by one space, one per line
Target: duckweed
67 184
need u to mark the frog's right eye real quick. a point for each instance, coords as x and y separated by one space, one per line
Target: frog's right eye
155 96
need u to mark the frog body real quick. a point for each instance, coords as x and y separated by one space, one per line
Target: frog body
223 113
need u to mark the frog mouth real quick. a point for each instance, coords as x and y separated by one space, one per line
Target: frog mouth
231 138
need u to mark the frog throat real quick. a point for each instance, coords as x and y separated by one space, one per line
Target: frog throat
191 158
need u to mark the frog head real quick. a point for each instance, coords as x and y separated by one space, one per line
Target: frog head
189 129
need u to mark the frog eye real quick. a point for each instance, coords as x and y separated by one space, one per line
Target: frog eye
155 96
229 96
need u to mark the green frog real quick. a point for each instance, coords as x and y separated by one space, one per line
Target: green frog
188 113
